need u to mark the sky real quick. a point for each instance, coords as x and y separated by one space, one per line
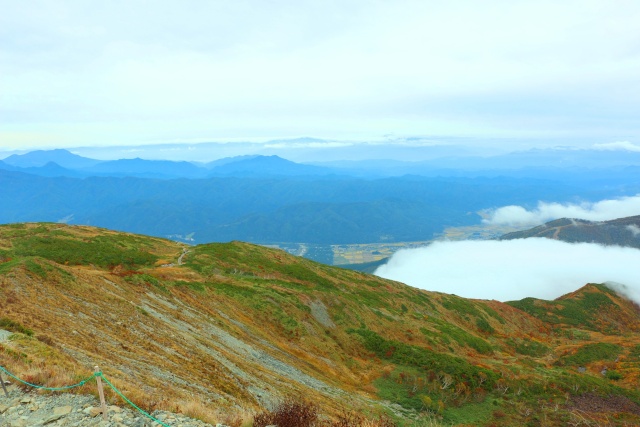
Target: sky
86 74
507 270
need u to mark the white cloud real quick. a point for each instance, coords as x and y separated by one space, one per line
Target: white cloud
600 211
617 146
513 269
634 229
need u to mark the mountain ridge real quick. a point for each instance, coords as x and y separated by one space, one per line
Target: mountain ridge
238 325
620 232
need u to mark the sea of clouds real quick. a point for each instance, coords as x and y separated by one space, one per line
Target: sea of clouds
515 269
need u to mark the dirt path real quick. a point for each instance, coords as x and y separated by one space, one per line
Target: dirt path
555 235
184 252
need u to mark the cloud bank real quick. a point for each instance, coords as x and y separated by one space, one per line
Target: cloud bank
617 146
514 269
600 211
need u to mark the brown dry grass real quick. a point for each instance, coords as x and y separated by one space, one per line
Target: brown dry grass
168 340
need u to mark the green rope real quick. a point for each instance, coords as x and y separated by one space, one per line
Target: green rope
146 414
81 383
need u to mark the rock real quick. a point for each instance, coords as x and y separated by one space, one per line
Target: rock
57 410
62 410
94 412
52 418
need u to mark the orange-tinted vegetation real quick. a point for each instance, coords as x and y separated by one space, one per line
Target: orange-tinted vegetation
237 328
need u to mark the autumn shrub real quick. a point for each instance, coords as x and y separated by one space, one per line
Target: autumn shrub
290 413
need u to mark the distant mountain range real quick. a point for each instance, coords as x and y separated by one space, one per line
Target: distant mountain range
271 200
620 232
324 210
39 158
563 164
63 163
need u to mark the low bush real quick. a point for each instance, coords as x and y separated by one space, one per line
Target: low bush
301 413
290 413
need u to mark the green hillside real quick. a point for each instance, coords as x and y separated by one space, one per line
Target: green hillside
235 327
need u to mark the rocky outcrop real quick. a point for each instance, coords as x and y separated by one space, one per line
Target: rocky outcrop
22 409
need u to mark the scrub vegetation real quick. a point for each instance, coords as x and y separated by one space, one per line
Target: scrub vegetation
235 333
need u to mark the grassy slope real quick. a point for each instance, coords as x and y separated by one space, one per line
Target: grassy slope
240 325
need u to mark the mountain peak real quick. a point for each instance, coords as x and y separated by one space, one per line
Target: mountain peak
39 158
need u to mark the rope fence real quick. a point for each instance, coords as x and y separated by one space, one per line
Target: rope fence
99 376
81 383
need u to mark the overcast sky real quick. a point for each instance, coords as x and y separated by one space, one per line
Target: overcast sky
83 73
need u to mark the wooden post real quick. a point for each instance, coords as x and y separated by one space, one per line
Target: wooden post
101 393
6 393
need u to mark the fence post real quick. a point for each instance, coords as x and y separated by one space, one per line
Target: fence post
6 393
101 392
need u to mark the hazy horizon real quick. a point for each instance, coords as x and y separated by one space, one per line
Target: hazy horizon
309 149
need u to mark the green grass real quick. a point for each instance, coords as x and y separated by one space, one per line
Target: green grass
195 286
232 257
461 306
574 312
269 303
422 358
592 353
35 268
614 375
102 252
8 266
484 326
528 347
10 325
393 389
471 413
143 279
491 312
634 353
446 332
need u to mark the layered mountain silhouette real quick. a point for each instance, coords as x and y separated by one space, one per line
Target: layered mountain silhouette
64 163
